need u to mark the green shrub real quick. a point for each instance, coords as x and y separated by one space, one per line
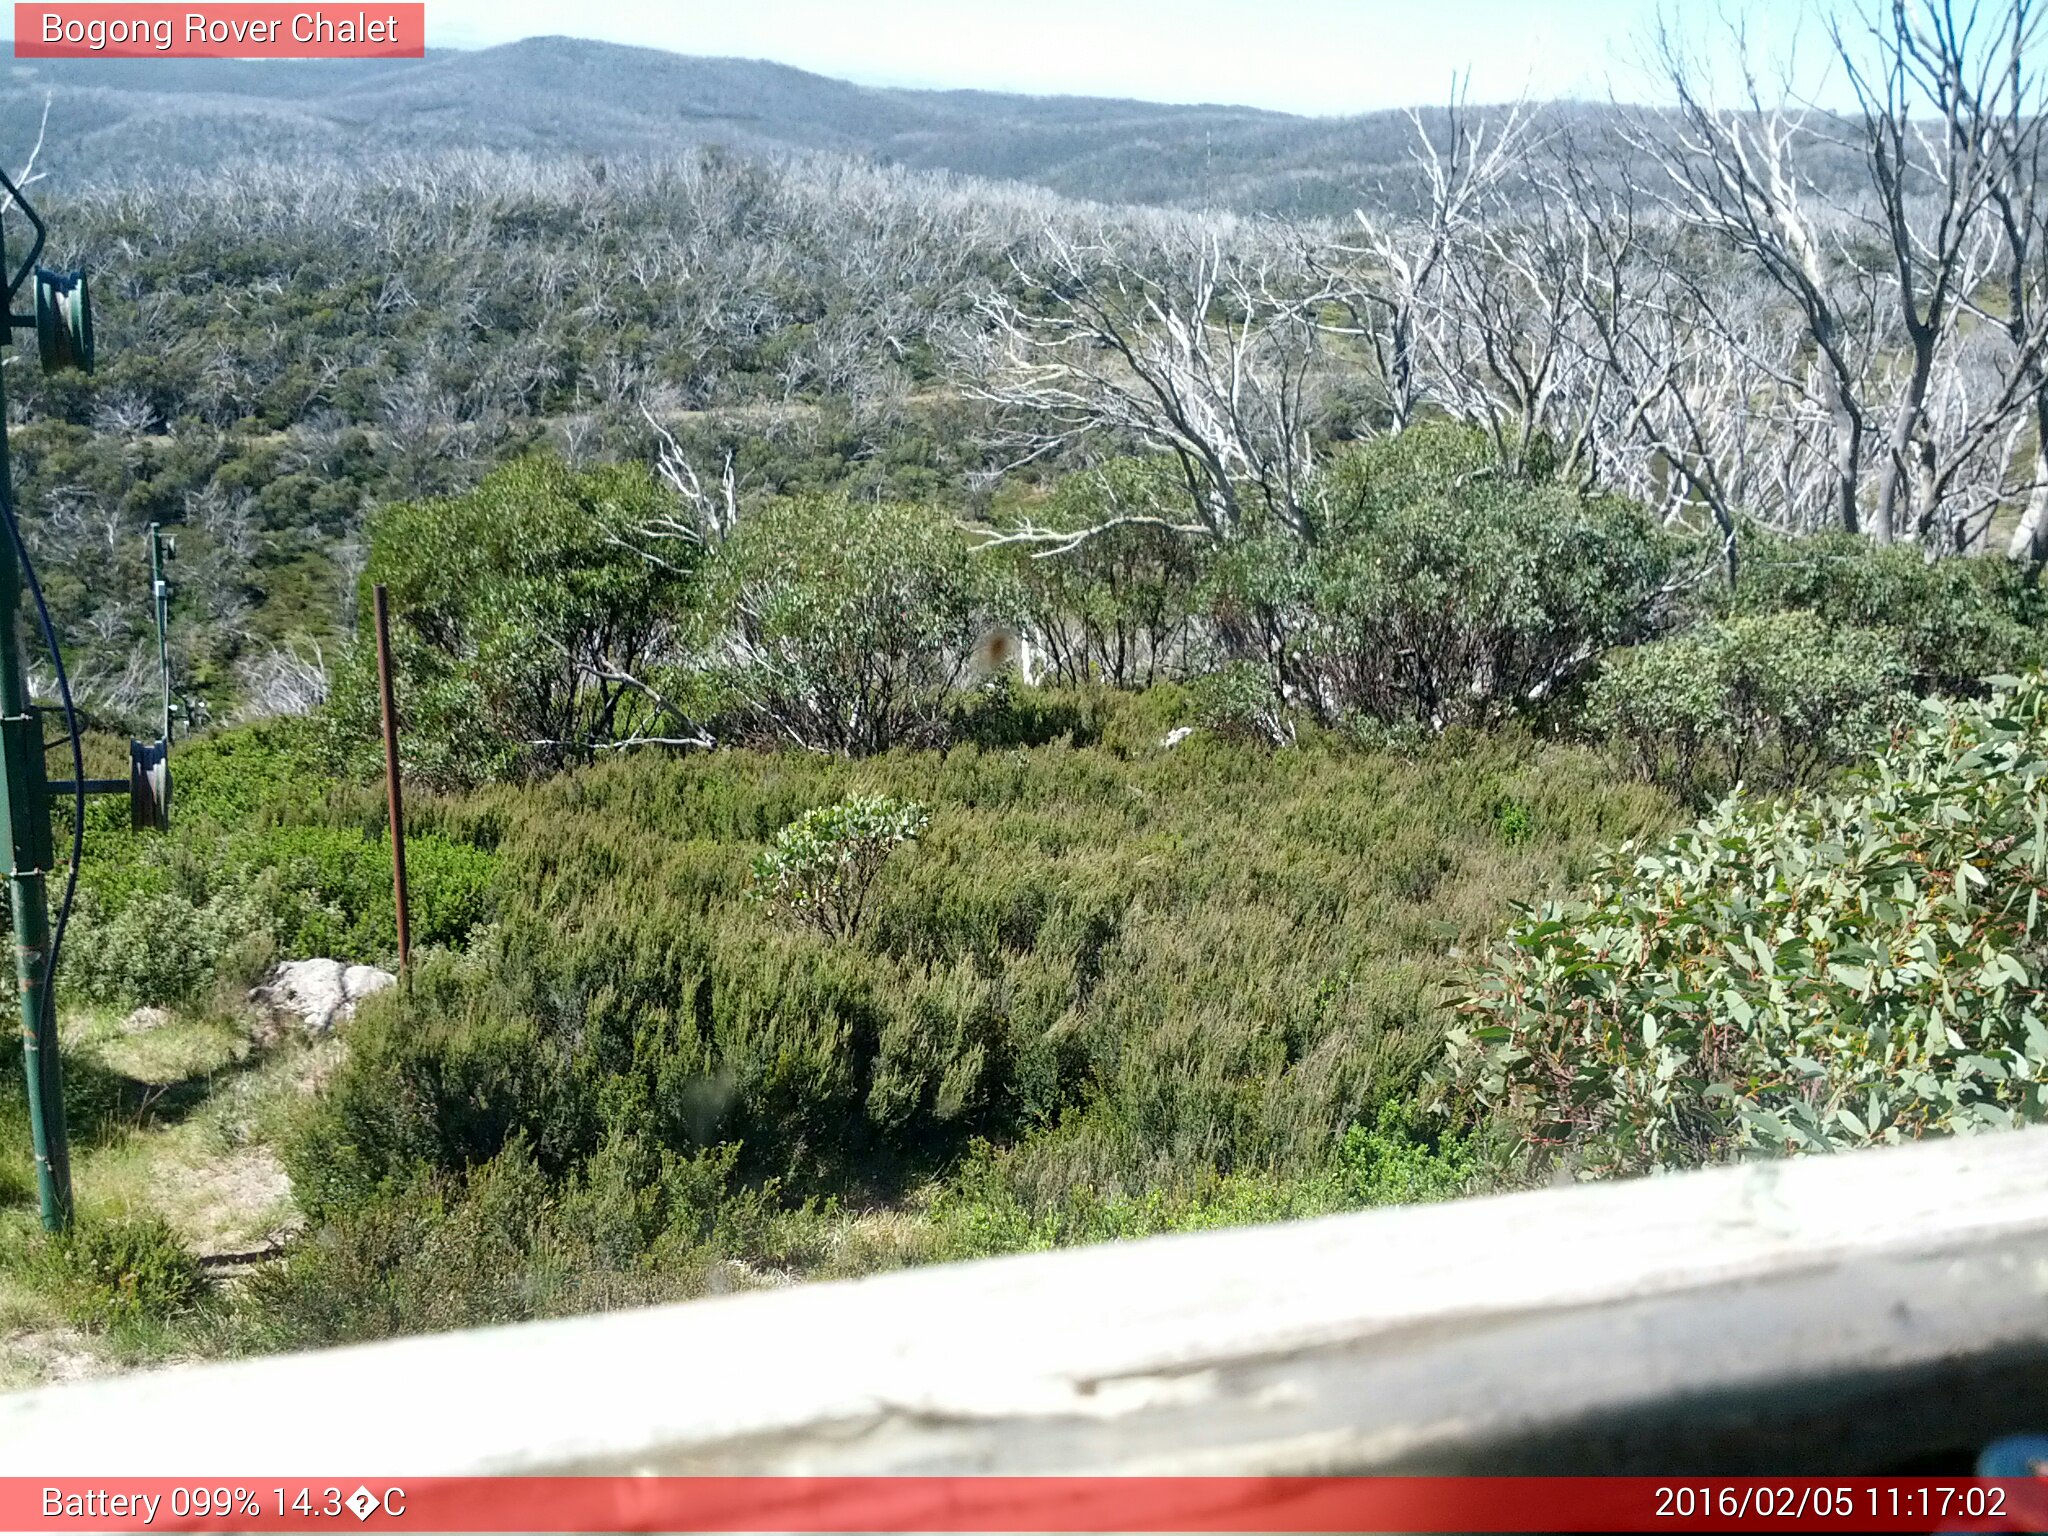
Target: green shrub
290 891
1394 1161
1120 607
238 778
502 1242
535 620
1513 821
994 1205
1771 700
1240 703
160 949
131 1270
1831 972
1221 955
1002 712
1444 590
438 1082
849 626
1430 461
414 1257
324 890
822 866
268 857
1955 622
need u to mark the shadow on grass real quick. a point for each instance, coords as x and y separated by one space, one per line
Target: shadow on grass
101 1105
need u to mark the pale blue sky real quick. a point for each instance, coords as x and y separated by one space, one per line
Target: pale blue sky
1311 56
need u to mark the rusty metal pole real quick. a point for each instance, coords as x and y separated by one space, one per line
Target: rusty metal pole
391 784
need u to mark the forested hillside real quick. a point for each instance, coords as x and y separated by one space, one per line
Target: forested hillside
570 97
943 716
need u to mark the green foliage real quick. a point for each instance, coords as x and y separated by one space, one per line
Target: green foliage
415 1258
1828 972
501 1242
323 890
235 778
821 867
1954 621
1393 1162
1445 590
1210 957
1430 461
1239 703
1770 700
136 1269
1512 820
1002 713
993 1205
1121 607
160 948
851 625
537 620
266 858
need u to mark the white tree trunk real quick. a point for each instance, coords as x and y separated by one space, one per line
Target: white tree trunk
2030 538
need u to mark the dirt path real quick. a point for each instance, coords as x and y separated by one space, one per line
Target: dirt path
206 1102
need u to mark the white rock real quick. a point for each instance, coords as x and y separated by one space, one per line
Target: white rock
321 993
1176 736
359 981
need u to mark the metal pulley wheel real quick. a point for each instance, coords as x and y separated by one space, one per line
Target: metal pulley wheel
149 785
63 320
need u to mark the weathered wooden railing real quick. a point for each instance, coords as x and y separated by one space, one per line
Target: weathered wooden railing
1830 1315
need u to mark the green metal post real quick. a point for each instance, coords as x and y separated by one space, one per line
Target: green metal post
23 786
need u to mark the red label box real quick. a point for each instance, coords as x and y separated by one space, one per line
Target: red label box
373 30
825 1506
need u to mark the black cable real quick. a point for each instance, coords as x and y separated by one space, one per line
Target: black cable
28 571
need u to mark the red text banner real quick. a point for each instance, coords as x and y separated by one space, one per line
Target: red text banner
1054 1504
226 31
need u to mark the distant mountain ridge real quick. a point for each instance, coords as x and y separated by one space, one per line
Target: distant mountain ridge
110 118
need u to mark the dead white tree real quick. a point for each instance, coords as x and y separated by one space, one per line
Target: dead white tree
1391 279
289 679
1191 349
1977 421
2004 110
708 514
1507 346
1662 432
1924 81
28 174
1738 174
